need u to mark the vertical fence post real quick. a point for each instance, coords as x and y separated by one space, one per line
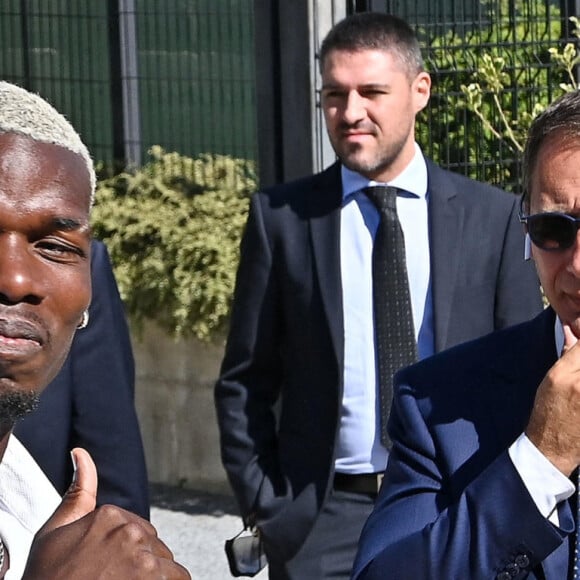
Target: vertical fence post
268 98
125 112
283 89
291 138
130 82
24 29
116 92
368 6
325 16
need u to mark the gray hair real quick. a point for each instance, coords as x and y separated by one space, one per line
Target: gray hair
28 114
375 31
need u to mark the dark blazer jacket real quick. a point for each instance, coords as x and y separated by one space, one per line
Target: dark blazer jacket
452 504
91 403
280 389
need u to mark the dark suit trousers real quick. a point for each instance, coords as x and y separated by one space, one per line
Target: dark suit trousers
329 550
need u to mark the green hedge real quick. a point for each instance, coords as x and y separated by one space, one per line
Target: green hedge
489 83
172 228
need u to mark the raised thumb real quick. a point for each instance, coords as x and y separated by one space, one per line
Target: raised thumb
80 498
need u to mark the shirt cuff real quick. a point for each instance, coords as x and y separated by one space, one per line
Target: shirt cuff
547 485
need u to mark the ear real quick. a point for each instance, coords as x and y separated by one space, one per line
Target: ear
421 90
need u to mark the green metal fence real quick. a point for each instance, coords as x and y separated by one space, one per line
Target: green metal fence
180 73
133 73
196 71
60 50
457 35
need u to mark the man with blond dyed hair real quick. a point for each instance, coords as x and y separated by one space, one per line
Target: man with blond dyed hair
91 401
47 184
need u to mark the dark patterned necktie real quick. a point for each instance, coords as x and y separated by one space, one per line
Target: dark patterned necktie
394 333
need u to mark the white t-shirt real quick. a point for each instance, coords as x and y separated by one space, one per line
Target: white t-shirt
27 500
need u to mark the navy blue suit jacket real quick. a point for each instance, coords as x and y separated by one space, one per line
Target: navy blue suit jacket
91 403
452 504
281 384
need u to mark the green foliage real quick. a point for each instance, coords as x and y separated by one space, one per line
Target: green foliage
569 58
173 229
495 81
490 83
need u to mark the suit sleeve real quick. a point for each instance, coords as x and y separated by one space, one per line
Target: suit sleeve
250 378
104 417
422 529
518 296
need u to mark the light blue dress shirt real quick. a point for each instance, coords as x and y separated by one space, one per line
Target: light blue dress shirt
359 449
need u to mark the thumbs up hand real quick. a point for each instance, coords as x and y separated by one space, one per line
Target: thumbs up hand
81 497
81 541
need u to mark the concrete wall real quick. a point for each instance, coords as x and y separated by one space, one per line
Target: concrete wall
174 399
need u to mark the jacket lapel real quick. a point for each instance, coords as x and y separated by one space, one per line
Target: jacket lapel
324 211
446 219
520 373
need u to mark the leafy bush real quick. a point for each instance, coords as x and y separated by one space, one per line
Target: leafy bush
488 93
172 228
489 83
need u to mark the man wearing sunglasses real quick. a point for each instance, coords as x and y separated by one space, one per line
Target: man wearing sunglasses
482 479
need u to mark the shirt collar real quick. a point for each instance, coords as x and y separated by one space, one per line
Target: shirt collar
559 335
27 500
412 179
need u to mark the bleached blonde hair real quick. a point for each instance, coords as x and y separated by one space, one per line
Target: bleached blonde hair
28 114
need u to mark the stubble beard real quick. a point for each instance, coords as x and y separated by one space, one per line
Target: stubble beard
14 405
368 167
369 164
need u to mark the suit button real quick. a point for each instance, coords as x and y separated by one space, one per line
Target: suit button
522 561
504 576
512 570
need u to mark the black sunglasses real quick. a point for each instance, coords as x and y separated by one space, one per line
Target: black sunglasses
550 231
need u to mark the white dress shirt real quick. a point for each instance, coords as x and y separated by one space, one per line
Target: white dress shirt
547 485
27 500
359 449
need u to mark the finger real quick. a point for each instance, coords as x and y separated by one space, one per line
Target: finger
173 570
161 550
80 498
569 338
181 572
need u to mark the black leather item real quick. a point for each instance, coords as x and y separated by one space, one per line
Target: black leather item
366 483
396 346
245 553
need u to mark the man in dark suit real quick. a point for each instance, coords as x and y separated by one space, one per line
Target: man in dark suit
297 396
482 479
90 403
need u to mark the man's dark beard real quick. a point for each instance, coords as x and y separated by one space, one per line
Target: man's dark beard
14 405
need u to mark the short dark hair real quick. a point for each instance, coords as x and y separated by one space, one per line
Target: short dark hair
375 31
561 118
